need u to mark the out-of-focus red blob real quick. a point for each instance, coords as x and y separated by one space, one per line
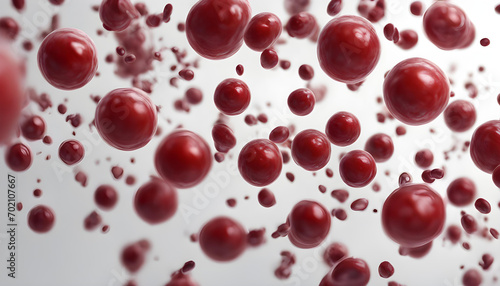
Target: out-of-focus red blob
105 197
349 272
357 168
67 58
262 31
311 150
348 49
156 201
215 28
183 158
223 239
373 10
461 191
117 15
134 255
224 139
448 27
380 146
416 91
71 152
460 115
485 146
126 118
309 224
260 162
413 215
33 128
41 219
301 25
407 39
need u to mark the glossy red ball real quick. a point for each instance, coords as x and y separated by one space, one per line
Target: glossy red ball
71 152
18 157
260 162
380 146
117 15
349 272
309 224
461 191
485 146
416 91
262 31
301 101
343 129
156 201
223 239
311 150
232 96
41 219
460 115
357 168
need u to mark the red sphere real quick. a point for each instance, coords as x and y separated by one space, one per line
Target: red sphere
349 272
262 31
343 129
126 118
416 91
380 146
460 116
301 101
311 150
309 224
413 215
461 191
183 158
105 197
260 162
12 95
71 152
215 28
485 146
224 139
348 49
232 96
41 219
156 201
117 15
67 58
33 128
301 25
223 239
18 157
357 168
448 27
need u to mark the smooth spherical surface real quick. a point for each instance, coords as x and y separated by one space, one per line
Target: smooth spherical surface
357 168
461 191
485 146
301 25
301 101
262 31
223 239
33 128
117 15
126 118
448 27
232 96
424 158
105 197
41 219
380 146
260 162
183 158
71 152
311 150
348 49
309 224
18 157
460 116
343 129
224 139
349 272
67 58
416 91
413 215
215 28
156 201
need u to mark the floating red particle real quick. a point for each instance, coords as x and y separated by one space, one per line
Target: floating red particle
311 150
260 162
117 15
309 224
350 271
223 239
156 201
357 168
41 219
262 31
485 146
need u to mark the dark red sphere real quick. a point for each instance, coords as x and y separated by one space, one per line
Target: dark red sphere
156 201
67 58
215 28
416 91
309 224
223 239
71 152
343 129
232 96
33 128
485 146
18 157
380 146
262 31
357 168
117 15
460 116
260 162
461 191
413 215
349 272
348 49
183 158
41 219
311 150
301 101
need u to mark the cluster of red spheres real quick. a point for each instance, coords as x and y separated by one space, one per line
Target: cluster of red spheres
187 146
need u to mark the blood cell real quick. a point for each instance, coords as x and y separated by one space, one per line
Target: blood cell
334 253
416 91
223 239
311 150
301 25
469 223
348 49
33 128
18 157
9 28
266 198
224 138
460 115
133 255
105 197
309 224
407 39
448 27
262 31
413 215
183 158
357 168
232 96
71 152
269 59
350 271
373 10
385 269
156 201
279 134
194 95
334 7
343 129
424 158
260 162
416 252
215 28
41 219
117 15
301 101
380 146
485 146
126 118
67 59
